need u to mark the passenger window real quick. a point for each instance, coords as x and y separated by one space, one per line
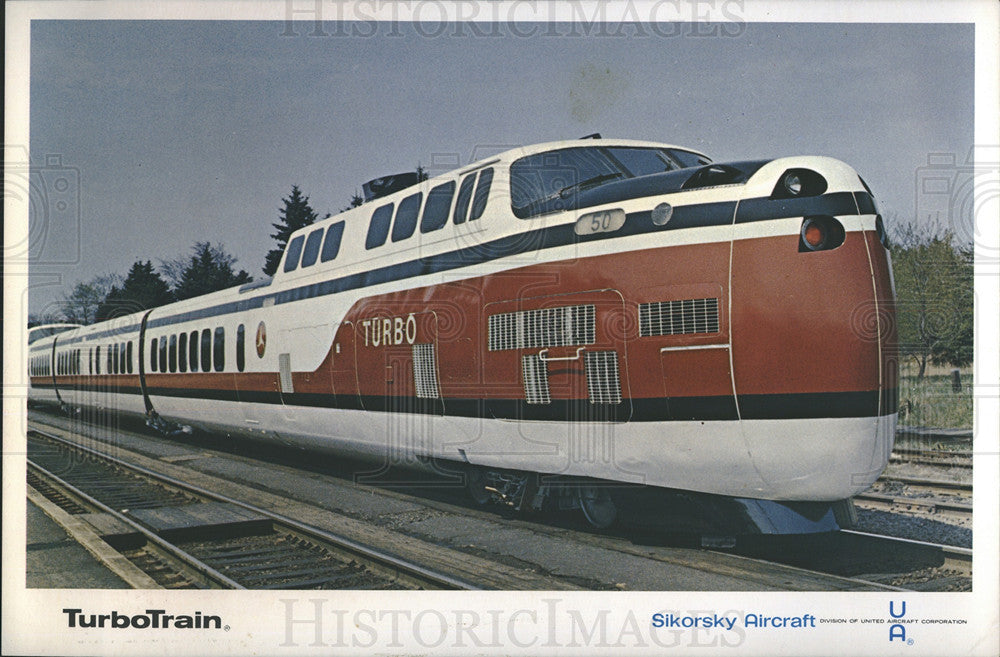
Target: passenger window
464 197
193 355
311 249
112 361
121 358
152 355
437 206
240 343
128 357
482 194
163 354
182 356
206 350
97 360
406 217
219 349
293 253
378 229
331 245
172 354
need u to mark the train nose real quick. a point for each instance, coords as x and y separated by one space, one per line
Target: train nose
813 364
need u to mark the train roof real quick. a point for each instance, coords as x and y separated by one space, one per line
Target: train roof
362 213
504 158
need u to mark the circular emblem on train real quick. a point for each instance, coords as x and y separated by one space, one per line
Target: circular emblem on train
261 339
662 213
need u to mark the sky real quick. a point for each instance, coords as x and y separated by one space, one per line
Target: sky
147 136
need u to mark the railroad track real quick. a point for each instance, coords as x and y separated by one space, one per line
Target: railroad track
193 538
889 561
922 506
954 459
931 497
939 487
949 557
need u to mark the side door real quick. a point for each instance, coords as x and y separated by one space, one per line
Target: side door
397 364
691 327
343 371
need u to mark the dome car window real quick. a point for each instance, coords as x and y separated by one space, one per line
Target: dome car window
378 228
331 245
436 209
311 250
406 217
293 253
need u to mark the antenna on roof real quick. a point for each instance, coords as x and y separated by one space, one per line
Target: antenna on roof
595 135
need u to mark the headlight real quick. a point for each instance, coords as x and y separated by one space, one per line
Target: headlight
798 183
793 183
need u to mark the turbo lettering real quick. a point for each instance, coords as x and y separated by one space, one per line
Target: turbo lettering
389 331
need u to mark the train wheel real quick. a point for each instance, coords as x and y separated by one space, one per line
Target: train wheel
475 484
597 506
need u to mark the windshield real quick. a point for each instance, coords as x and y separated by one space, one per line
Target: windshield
546 176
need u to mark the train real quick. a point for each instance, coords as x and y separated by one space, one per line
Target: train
609 325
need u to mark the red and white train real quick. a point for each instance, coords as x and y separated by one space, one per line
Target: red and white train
597 312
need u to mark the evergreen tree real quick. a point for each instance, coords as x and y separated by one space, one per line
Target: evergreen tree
356 202
143 288
209 269
295 215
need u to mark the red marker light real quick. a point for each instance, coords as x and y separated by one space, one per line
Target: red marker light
813 235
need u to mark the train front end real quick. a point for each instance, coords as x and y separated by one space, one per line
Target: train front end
813 341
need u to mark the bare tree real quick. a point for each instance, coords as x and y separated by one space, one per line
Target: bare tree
934 297
80 306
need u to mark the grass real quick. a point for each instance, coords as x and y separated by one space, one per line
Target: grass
931 401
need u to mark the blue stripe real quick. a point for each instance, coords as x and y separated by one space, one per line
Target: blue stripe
636 223
762 209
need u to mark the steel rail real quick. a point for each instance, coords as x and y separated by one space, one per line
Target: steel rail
959 557
187 559
915 504
941 484
380 558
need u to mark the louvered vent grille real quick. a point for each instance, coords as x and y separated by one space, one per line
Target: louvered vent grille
536 380
679 317
284 372
603 383
425 371
542 328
